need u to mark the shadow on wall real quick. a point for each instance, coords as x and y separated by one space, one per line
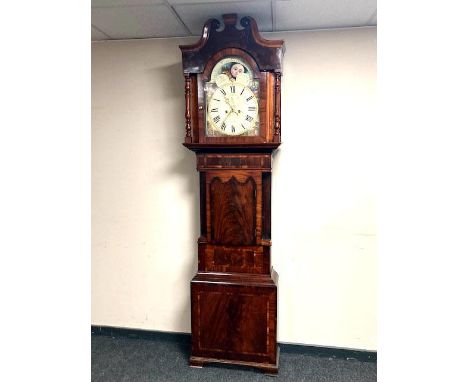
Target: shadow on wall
168 83
169 80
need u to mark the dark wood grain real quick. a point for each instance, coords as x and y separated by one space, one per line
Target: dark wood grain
268 53
277 129
194 91
188 118
235 317
225 258
266 206
233 161
247 147
267 368
233 211
202 206
230 319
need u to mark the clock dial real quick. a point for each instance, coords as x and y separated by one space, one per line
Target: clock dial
232 99
233 109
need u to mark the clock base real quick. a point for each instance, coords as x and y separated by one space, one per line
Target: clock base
234 319
267 368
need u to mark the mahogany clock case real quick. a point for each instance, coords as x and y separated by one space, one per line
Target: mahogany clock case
234 293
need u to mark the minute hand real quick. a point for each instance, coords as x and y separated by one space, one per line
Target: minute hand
228 113
234 105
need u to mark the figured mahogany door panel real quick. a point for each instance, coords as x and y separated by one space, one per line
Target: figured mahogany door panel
233 211
234 322
233 203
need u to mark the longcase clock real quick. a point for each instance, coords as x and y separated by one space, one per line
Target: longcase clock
233 124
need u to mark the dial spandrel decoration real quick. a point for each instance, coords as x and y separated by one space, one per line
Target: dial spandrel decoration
232 99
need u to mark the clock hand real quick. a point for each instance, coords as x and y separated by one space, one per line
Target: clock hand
229 101
233 105
227 114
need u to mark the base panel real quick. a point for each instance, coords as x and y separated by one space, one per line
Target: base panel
234 319
267 368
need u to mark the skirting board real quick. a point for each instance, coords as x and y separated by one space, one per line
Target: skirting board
319 351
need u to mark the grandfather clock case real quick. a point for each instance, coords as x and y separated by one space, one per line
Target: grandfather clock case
233 124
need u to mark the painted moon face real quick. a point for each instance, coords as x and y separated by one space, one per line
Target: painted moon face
236 69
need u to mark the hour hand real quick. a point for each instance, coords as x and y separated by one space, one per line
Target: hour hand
229 103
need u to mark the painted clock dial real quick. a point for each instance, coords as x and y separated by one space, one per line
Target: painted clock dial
232 99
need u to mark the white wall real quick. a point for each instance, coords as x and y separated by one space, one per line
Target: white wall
145 189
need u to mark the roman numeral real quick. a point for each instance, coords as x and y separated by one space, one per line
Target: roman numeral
216 109
233 129
233 89
243 126
216 119
248 99
223 126
222 91
242 91
249 118
252 108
